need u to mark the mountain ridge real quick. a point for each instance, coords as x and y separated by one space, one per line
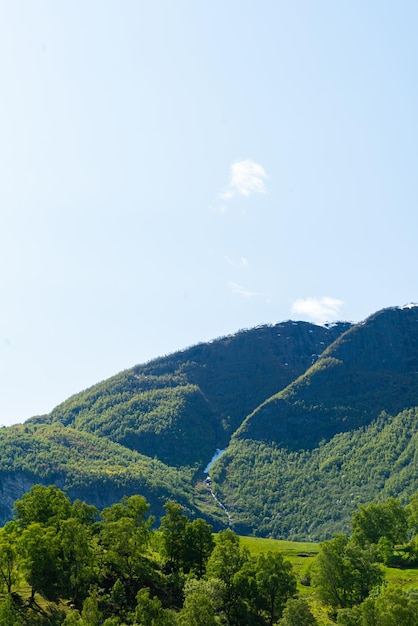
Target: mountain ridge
258 362
292 403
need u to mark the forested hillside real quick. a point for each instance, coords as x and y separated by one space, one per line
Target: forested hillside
314 420
182 407
343 433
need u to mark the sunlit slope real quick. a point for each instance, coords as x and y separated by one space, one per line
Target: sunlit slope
315 421
88 467
371 368
180 408
341 434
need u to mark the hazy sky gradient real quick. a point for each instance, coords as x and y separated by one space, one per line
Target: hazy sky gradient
171 172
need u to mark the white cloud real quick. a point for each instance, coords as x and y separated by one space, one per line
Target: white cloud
235 288
318 309
247 177
241 264
246 293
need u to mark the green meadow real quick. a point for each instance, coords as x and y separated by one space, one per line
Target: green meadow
302 554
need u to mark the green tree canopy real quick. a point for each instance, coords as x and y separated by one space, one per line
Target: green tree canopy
276 583
382 519
344 573
8 557
150 612
198 546
38 549
76 559
231 564
45 505
297 613
173 529
392 607
9 615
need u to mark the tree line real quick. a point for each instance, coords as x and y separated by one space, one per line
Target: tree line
66 563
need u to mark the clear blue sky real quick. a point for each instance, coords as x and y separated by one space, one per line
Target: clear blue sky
171 172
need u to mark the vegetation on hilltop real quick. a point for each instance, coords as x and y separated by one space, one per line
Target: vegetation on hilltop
180 408
315 420
311 494
369 369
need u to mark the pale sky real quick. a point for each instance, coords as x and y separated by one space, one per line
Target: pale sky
171 172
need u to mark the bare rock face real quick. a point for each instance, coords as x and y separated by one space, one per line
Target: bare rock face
12 487
14 484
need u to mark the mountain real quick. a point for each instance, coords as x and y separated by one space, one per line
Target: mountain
182 407
369 369
341 434
313 419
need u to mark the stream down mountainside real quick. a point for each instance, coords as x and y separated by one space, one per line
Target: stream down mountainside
314 421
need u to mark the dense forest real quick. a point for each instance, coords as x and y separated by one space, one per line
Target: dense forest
64 562
313 421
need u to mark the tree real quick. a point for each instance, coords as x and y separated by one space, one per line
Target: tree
186 544
8 557
123 551
297 613
383 519
44 505
124 537
232 565
149 611
173 528
117 598
197 611
75 559
9 615
72 619
86 513
351 617
392 607
203 601
227 557
343 573
38 549
411 510
276 583
198 546
91 615
134 507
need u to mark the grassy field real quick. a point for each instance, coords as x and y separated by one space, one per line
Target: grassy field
301 555
406 578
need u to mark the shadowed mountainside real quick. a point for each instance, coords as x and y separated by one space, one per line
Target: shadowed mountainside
369 369
343 433
314 419
182 407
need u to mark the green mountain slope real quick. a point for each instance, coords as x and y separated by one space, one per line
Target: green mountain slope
311 494
338 435
182 407
369 369
86 467
315 420
153 428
